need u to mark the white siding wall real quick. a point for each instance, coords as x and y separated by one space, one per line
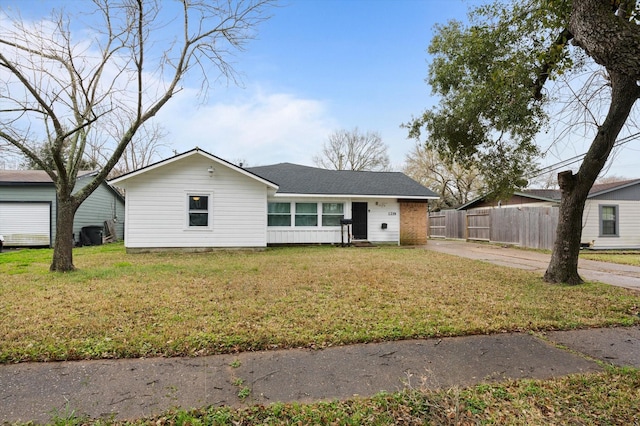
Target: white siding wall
628 224
157 207
384 211
379 211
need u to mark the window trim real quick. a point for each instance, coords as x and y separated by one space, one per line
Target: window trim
188 210
295 214
332 215
279 214
319 213
616 221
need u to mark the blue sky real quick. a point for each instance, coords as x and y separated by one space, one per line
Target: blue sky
318 66
336 64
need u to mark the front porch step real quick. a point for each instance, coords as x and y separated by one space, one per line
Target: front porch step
362 243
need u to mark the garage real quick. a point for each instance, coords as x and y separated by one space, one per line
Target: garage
24 224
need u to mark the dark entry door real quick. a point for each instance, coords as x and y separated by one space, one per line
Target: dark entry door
359 216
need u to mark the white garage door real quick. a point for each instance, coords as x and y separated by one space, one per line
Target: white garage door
25 224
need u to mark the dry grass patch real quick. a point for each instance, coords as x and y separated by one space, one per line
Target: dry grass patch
623 258
120 305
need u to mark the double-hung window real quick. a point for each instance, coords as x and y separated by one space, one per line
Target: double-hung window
306 214
279 214
198 210
609 221
332 213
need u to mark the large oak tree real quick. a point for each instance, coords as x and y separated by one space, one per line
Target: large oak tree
493 77
104 69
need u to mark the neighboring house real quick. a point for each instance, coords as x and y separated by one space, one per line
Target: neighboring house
611 218
196 200
525 198
28 208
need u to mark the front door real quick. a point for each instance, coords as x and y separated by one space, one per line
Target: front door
359 216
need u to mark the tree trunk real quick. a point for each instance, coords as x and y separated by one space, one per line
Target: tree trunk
563 267
63 247
574 189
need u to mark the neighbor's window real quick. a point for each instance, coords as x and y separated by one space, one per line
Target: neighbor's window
332 213
306 214
608 220
279 214
198 210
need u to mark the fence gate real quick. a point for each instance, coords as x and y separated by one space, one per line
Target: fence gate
447 224
479 225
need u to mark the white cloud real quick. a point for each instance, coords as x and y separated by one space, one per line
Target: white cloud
261 128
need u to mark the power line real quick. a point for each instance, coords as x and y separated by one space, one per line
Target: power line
564 163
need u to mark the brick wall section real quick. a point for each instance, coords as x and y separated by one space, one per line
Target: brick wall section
413 222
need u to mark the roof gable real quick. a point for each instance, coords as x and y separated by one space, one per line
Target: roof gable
608 188
294 179
195 151
535 195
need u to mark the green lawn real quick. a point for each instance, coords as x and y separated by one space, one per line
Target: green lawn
119 305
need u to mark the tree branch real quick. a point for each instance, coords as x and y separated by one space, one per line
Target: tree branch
553 56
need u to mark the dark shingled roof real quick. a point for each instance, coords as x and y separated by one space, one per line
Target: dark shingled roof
548 194
297 179
607 187
598 188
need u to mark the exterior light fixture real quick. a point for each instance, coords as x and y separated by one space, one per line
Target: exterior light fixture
211 170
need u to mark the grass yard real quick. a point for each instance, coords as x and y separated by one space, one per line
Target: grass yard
170 304
624 258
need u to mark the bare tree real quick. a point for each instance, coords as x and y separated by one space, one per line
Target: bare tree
126 62
545 180
454 183
610 179
10 157
144 149
352 150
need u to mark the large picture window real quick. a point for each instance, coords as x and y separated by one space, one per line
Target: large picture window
332 213
279 214
198 210
609 221
306 214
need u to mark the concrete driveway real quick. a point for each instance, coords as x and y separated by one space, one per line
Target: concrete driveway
609 273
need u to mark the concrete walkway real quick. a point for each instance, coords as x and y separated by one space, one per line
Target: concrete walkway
609 273
130 389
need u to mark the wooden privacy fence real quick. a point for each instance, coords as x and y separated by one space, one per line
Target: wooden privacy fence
531 227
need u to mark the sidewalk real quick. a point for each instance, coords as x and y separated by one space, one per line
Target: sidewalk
129 389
